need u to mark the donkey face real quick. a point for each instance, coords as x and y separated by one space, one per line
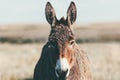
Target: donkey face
62 39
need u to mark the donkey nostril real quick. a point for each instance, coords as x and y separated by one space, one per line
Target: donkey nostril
66 71
58 72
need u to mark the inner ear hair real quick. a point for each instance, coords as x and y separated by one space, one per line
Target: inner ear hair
50 14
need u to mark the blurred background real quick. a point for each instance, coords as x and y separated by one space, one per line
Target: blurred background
24 30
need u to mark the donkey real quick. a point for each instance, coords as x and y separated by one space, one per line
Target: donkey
61 58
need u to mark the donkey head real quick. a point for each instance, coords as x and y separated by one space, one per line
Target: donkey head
62 39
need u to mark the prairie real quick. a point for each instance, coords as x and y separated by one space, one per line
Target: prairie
17 61
21 45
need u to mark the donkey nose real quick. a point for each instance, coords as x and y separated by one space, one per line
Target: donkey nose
61 73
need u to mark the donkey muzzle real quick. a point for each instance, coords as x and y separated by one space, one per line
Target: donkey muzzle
62 68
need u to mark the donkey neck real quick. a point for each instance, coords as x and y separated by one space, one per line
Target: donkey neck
74 72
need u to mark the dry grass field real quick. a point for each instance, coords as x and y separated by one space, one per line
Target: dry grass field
17 61
20 48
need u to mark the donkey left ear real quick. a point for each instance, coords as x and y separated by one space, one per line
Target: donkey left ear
71 13
50 14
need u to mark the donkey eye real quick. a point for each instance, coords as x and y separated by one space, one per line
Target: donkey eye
72 42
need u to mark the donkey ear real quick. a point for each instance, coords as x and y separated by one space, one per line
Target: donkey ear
50 14
71 13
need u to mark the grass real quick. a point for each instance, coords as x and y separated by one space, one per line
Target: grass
18 60
104 58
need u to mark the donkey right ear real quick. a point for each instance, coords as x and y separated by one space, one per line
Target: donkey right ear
50 14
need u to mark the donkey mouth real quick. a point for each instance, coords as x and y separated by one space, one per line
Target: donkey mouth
61 74
62 78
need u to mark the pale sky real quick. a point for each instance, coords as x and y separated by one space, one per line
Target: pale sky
32 11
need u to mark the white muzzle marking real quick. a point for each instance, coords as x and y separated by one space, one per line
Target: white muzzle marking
62 65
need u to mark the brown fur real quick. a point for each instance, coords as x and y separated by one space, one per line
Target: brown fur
80 70
61 44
